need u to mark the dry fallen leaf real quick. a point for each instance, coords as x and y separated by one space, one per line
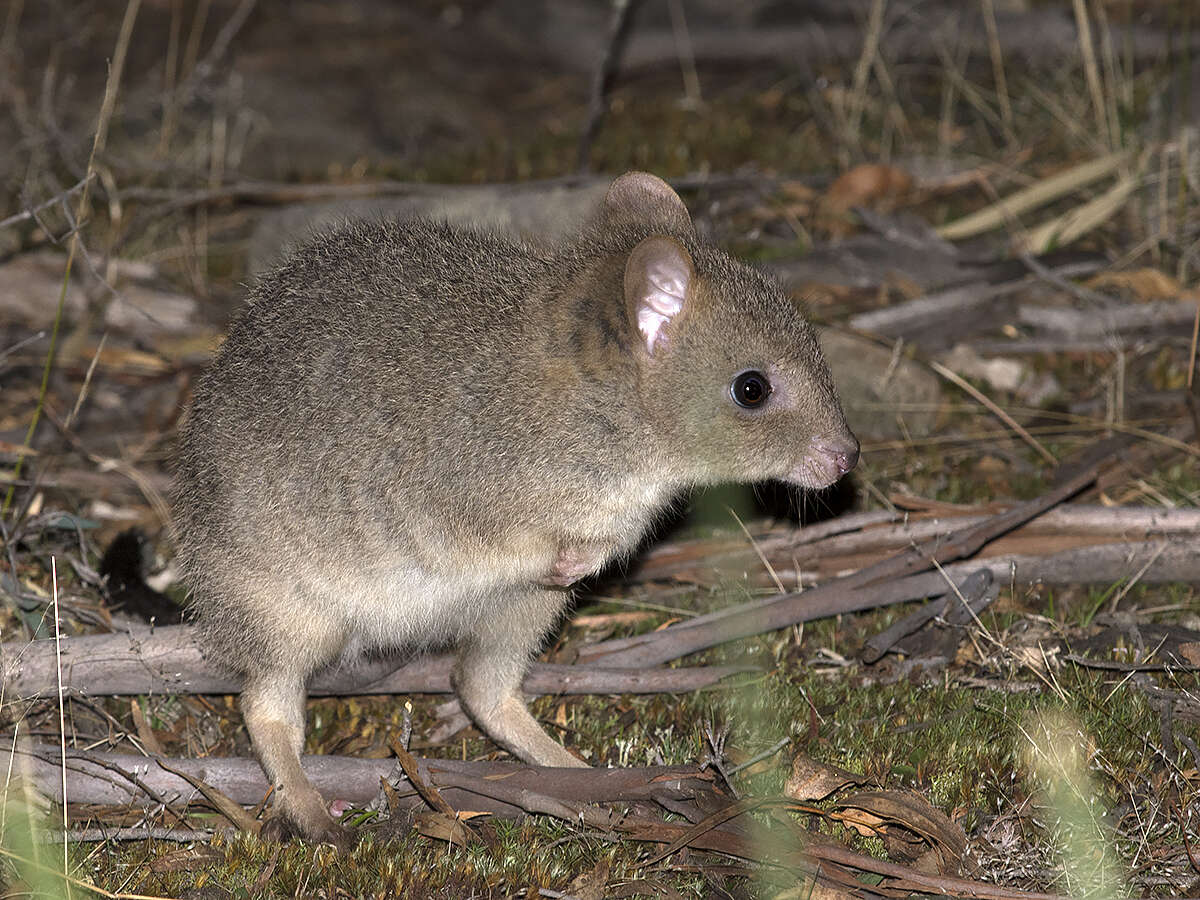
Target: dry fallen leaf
590 885
811 780
1142 284
1191 652
442 827
871 184
910 827
864 823
144 732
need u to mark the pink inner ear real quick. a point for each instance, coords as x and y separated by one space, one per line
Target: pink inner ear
666 287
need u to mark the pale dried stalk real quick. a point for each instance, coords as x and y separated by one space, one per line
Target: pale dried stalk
996 410
1045 191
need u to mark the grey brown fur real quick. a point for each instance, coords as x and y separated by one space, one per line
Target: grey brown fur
416 434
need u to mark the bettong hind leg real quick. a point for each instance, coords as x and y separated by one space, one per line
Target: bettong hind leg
273 708
487 677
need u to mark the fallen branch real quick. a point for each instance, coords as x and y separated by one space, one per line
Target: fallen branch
1127 320
846 594
120 779
168 661
714 834
507 789
1168 561
852 541
973 597
761 616
102 835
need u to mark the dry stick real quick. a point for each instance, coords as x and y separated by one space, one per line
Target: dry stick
1087 523
720 817
428 792
102 762
232 811
509 788
974 588
108 779
131 833
749 619
1116 536
839 595
168 660
1113 665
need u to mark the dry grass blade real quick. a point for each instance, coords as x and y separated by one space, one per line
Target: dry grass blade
110 895
1090 68
996 410
1070 226
997 55
62 722
862 70
1036 195
1191 369
758 551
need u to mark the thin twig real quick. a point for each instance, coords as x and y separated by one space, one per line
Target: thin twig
1004 417
32 211
232 811
87 381
19 344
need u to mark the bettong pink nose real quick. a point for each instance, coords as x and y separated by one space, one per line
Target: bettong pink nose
844 453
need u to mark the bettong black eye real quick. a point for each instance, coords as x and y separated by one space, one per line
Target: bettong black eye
750 389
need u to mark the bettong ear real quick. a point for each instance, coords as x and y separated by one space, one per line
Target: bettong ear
658 274
642 197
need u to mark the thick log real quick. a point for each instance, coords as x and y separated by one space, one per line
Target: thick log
120 779
505 789
829 547
167 660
